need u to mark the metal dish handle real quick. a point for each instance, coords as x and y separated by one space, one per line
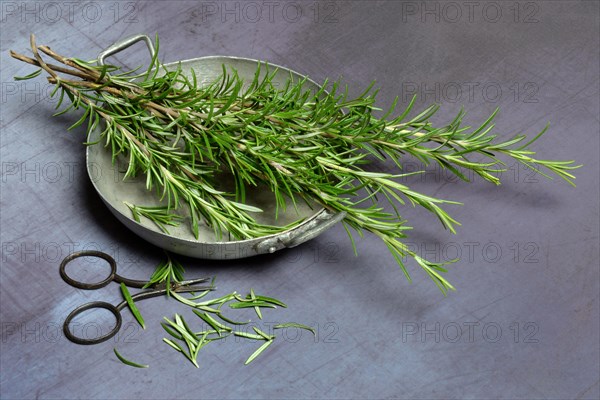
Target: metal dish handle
323 221
123 44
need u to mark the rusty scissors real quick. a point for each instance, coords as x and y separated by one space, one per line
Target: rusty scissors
155 289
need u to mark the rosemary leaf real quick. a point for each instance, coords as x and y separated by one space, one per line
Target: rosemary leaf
181 330
173 345
219 300
216 325
256 308
263 334
32 75
127 362
269 300
295 325
171 332
132 306
211 331
258 351
200 295
248 335
203 342
252 304
224 318
208 309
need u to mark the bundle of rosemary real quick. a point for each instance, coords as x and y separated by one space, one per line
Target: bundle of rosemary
302 144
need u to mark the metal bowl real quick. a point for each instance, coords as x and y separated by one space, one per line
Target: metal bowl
114 190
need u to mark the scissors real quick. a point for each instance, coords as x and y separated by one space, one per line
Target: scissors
156 289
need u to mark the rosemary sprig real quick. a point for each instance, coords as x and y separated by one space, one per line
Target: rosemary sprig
302 145
168 270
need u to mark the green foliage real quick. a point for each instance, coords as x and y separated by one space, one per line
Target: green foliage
161 216
169 271
127 362
134 310
302 145
180 331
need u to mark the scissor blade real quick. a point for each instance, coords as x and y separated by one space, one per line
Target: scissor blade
193 281
188 288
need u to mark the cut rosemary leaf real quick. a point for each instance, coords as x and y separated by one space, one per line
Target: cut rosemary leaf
224 318
181 322
216 325
173 345
127 362
179 328
248 335
295 325
132 306
208 309
256 308
219 300
212 332
183 300
241 299
263 334
268 300
201 343
171 332
252 305
200 295
258 352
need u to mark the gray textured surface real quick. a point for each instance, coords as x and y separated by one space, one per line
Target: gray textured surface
527 304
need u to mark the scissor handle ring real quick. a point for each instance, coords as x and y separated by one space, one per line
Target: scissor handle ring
88 253
94 304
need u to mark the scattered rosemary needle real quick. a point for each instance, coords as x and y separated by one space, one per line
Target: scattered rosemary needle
127 362
180 331
263 334
254 304
295 325
268 300
256 308
248 335
216 325
224 318
303 145
258 351
134 310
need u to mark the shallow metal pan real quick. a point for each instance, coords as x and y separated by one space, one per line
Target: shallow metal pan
108 182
